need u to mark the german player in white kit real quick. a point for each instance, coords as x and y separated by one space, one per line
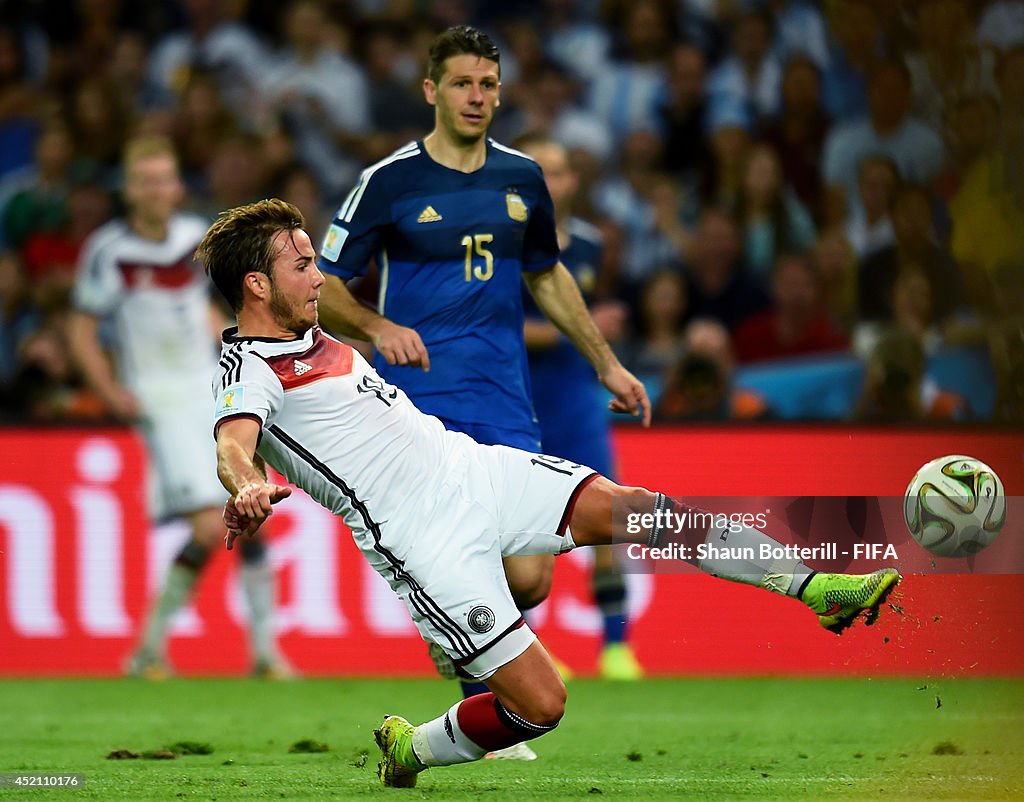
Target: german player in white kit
433 511
138 275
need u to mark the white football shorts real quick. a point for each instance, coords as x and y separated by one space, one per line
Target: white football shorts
444 561
183 460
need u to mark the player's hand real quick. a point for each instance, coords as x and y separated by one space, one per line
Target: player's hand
237 527
246 511
630 393
400 345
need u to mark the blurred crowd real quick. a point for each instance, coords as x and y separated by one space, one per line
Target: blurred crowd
774 179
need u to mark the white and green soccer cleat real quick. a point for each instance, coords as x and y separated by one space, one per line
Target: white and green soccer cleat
839 598
518 751
398 765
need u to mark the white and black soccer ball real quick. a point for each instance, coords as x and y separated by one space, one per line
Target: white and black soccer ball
955 506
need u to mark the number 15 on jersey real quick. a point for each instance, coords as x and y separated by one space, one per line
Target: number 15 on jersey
476 245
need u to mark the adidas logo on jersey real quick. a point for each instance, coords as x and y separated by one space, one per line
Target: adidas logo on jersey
302 367
429 215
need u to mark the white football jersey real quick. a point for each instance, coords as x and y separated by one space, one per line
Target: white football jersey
156 297
333 427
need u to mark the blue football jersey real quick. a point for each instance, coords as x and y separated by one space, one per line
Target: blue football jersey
567 397
451 248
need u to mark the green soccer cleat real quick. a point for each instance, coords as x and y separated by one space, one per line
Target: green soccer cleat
398 765
839 598
617 662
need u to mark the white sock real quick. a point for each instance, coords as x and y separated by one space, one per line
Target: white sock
258 585
178 584
742 562
442 742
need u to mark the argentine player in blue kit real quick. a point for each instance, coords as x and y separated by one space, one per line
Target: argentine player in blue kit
434 512
567 395
456 223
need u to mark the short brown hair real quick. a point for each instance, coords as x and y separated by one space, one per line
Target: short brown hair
239 243
460 40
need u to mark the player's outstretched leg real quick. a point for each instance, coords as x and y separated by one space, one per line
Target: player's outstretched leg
606 512
527 700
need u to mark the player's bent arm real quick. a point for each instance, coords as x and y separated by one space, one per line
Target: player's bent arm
88 353
243 475
558 296
236 454
343 313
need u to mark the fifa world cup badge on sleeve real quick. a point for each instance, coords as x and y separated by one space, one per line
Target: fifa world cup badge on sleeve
333 240
231 400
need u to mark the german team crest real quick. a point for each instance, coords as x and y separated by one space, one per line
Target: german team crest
481 619
516 208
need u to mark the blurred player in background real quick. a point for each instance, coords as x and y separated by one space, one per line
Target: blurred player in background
138 283
433 511
456 223
566 393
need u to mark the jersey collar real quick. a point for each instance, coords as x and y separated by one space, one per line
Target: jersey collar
231 335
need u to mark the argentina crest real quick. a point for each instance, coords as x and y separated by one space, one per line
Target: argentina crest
516 207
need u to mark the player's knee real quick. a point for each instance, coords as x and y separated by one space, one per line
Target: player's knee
554 705
603 509
546 704
636 499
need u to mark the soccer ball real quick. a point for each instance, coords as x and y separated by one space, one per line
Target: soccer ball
955 506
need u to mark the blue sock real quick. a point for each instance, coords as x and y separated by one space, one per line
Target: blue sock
613 628
610 595
470 688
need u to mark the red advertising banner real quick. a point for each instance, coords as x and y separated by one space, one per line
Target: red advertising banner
79 563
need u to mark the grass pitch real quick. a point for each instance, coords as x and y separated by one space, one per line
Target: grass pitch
706 739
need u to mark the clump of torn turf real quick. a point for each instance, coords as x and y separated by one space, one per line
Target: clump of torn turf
191 748
634 756
946 748
160 754
309 745
123 754
171 752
